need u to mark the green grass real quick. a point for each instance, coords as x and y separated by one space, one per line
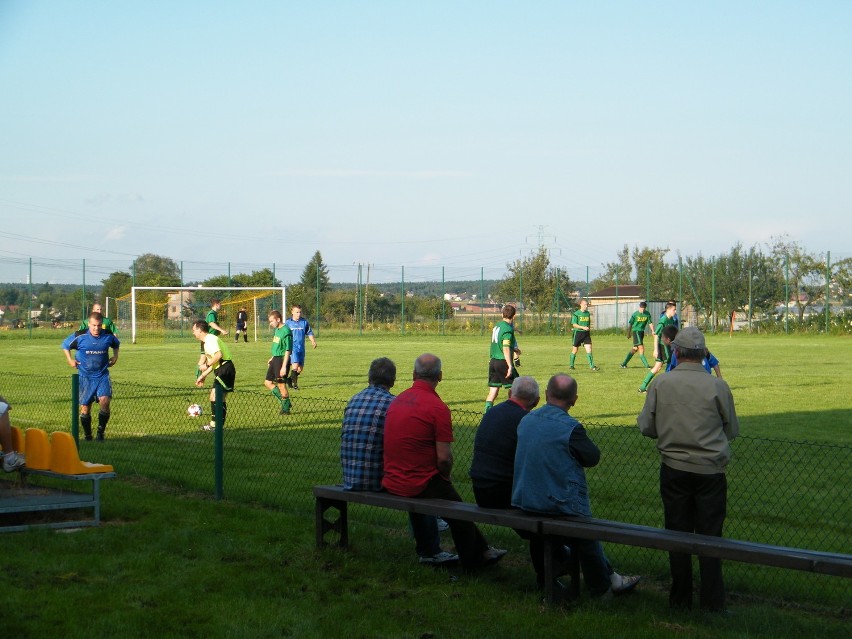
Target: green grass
174 563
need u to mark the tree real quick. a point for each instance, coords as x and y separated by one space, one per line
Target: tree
117 284
309 274
620 271
532 277
156 270
805 272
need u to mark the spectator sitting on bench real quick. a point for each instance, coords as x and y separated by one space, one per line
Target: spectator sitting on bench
362 446
418 460
553 450
493 467
12 460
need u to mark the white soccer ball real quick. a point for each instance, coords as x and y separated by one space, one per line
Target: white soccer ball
194 410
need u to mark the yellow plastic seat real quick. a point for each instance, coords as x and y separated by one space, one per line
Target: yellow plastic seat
18 440
65 459
38 449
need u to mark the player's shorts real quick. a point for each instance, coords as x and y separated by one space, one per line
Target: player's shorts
664 354
297 357
582 337
241 326
497 369
226 374
638 338
91 388
274 370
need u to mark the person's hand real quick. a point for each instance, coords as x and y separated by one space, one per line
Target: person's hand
199 382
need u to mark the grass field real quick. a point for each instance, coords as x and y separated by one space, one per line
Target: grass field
242 571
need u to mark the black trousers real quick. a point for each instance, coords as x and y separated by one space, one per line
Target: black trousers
694 503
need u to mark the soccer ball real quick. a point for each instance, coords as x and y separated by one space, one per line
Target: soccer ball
194 410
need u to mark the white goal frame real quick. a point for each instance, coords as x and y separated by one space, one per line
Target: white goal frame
177 289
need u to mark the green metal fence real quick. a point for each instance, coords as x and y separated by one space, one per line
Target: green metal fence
780 492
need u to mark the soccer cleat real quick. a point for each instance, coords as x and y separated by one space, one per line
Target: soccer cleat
570 368
209 427
284 411
624 366
13 461
594 369
443 558
642 391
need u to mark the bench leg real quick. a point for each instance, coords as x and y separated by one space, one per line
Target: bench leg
551 594
324 524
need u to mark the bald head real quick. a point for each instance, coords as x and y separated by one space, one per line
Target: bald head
561 391
525 391
428 368
97 308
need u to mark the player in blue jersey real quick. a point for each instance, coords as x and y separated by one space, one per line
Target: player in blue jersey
301 329
93 362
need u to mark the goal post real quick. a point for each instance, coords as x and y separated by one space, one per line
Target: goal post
169 311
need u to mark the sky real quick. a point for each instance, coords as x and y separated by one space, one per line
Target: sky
413 136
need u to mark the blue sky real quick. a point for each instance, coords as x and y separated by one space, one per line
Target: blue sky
421 133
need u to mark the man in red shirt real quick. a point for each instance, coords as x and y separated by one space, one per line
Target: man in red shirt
418 460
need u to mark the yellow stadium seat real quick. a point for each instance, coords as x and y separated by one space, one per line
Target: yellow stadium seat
38 449
65 459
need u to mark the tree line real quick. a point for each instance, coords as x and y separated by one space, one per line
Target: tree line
742 279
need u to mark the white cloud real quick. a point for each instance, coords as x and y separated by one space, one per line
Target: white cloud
115 233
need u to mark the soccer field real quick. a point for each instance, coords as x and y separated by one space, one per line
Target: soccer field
782 491
788 387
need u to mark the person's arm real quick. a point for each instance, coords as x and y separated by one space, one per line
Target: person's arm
583 449
647 420
114 359
206 369
313 340
284 362
67 346
444 453
218 328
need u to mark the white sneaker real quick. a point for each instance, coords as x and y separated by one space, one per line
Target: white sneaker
13 461
442 525
209 427
443 558
623 583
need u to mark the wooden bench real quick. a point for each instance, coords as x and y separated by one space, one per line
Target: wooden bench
555 529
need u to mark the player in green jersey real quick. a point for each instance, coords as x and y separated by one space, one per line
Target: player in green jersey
581 322
106 323
501 368
278 370
662 349
636 329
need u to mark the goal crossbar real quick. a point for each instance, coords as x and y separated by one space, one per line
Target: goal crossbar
179 289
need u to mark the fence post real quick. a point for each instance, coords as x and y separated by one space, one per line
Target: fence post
218 441
827 290
75 408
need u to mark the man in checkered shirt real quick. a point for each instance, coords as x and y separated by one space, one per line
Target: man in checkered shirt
361 443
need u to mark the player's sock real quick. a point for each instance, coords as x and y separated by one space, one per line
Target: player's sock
591 360
86 423
103 419
571 360
488 405
628 358
281 399
212 411
286 405
646 381
294 377
245 337
644 361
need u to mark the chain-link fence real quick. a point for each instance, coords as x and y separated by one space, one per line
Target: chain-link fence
780 492
799 292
